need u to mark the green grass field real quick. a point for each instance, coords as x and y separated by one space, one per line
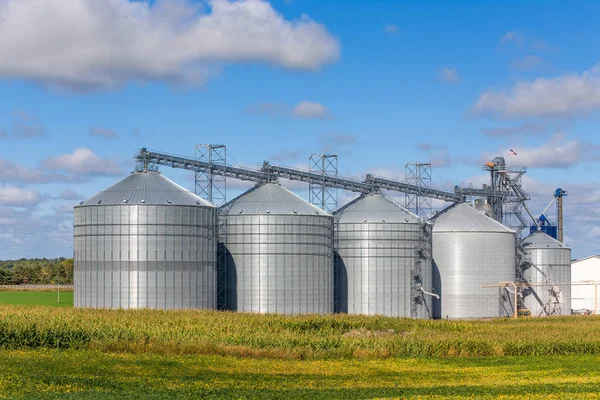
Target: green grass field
46 298
87 374
49 352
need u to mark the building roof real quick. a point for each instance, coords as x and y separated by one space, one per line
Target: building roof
461 217
148 188
540 240
374 208
270 198
585 259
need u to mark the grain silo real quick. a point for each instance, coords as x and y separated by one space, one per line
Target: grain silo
547 268
145 242
383 260
469 250
278 253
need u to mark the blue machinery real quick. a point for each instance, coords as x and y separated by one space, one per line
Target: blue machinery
554 230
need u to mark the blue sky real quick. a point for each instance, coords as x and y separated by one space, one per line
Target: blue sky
383 83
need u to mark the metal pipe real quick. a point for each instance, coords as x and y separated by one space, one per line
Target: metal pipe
516 297
437 296
580 283
537 224
548 206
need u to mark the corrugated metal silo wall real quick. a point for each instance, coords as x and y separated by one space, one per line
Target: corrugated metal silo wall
556 264
144 256
376 265
462 262
278 263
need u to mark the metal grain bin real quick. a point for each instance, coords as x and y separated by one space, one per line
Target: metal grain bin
547 269
471 249
383 259
278 253
145 242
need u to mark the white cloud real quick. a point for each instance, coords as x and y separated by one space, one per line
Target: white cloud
288 155
83 161
25 234
11 172
337 142
510 37
272 110
101 132
557 153
437 155
70 194
449 75
522 40
427 146
173 41
563 96
304 109
526 129
527 63
309 110
65 208
13 196
26 125
393 29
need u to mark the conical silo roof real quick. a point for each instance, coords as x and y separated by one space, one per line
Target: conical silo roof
270 198
374 208
461 217
541 240
149 188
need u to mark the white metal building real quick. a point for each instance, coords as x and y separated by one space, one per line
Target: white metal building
585 269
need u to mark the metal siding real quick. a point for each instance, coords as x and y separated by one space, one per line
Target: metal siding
279 263
375 265
140 256
377 252
464 261
555 263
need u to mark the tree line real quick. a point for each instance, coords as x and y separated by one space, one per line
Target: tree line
37 271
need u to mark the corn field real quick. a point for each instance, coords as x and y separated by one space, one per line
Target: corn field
291 337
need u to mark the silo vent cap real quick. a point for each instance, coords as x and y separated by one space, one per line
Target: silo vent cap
99 201
168 201
268 211
143 201
125 201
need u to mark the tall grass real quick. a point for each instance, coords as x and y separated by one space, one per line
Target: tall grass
298 337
